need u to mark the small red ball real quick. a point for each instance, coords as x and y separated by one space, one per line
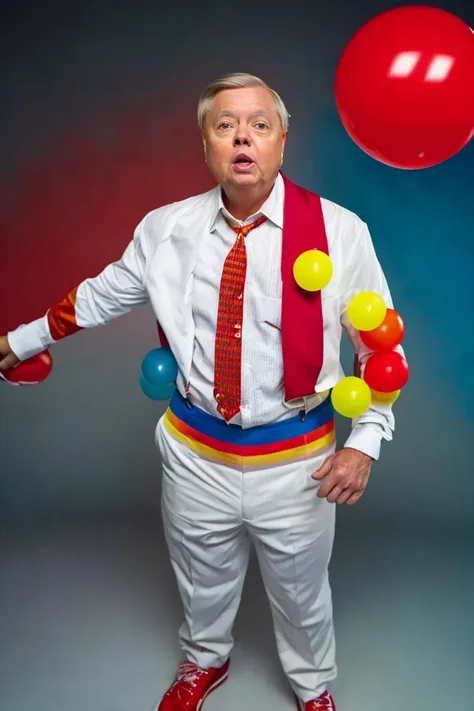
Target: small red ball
31 371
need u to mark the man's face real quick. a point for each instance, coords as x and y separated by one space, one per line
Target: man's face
243 138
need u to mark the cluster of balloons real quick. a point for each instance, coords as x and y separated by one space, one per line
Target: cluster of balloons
403 87
158 374
386 372
32 371
381 329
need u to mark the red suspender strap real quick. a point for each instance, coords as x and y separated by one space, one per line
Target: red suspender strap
302 313
161 335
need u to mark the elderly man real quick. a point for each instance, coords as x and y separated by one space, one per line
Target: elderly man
248 442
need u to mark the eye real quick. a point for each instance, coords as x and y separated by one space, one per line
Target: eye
224 125
261 125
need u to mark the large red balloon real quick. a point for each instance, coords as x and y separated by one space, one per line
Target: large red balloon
31 371
386 372
405 87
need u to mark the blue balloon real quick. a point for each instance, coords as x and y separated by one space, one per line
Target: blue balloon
159 367
156 392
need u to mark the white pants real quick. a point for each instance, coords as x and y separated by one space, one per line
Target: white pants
211 512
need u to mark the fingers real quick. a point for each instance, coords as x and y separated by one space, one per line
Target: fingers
324 469
328 485
8 361
334 494
354 498
335 478
345 496
341 484
339 493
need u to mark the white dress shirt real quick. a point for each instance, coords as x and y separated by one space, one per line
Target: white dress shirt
130 282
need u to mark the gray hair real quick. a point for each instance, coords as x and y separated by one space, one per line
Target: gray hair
239 80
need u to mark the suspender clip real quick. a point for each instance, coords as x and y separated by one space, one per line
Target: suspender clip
187 401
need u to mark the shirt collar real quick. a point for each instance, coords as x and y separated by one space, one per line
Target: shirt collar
272 208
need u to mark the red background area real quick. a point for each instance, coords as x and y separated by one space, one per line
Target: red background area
73 210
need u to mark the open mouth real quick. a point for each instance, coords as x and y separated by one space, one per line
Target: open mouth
242 162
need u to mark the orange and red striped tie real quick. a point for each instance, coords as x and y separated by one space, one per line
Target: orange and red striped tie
228 345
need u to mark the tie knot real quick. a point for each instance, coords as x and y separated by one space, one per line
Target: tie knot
245 229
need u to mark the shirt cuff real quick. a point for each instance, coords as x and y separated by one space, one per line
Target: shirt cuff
367 438
30 339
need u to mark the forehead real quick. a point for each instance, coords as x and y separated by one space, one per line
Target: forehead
243 101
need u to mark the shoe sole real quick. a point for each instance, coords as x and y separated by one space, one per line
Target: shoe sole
300 705
212 688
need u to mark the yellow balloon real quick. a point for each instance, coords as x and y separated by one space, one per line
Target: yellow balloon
387 398
351 397
312 270
366 310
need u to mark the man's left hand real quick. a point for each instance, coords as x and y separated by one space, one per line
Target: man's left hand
345 475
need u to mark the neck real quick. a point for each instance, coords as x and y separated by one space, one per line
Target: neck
242 203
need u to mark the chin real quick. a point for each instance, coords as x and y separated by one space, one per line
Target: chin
244 179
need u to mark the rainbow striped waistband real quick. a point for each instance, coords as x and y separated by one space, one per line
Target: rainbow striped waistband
265 445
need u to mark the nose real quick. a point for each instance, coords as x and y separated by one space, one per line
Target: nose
241 138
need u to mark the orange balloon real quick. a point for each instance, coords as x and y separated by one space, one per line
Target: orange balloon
388 335
386 398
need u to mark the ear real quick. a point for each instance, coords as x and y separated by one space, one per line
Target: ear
203 137
283 144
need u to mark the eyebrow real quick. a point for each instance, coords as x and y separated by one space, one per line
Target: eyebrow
230 114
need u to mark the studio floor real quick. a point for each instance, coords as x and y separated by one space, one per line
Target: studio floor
89 619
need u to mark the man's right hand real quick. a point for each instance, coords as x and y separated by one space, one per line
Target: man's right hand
7 358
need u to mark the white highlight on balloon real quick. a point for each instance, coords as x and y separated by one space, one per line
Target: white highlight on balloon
439 68
404 64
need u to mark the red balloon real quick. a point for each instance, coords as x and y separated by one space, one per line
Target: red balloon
31 371
386 372
387 336
405 87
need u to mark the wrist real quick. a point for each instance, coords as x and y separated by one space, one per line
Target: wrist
363 455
